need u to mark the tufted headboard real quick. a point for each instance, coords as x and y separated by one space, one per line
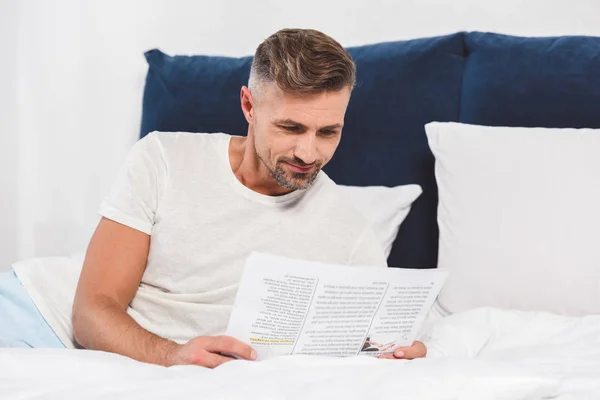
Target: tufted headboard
478 78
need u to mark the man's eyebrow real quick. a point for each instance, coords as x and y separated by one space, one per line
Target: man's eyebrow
298 124
334 126
288 122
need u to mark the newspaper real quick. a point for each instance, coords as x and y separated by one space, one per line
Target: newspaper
287 306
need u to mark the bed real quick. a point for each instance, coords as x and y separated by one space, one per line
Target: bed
479 354
501 133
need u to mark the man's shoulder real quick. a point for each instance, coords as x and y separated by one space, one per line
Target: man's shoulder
183 146
185 138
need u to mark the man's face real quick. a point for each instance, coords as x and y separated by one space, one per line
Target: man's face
296 135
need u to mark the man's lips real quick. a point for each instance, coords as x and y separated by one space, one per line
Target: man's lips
303 170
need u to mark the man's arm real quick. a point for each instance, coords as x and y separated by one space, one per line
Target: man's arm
113 268
114 264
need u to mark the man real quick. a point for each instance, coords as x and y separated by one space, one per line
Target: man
162 268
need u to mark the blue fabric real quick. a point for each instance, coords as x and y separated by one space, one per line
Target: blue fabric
194 94
401 86
21 324
549 82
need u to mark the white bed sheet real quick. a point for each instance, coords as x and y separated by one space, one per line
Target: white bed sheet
480 354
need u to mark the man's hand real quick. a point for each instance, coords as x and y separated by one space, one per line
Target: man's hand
417 350
210 351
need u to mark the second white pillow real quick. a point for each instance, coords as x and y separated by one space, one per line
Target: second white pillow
384 207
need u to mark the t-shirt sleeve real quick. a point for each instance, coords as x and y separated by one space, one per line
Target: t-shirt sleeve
133 198
368 251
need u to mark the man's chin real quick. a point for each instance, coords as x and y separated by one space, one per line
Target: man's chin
286 177
297 181
302 181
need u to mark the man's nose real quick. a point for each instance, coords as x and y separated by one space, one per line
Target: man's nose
306 148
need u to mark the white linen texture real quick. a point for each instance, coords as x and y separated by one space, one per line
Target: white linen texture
479 354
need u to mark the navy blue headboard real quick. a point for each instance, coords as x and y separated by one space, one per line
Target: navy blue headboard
478 78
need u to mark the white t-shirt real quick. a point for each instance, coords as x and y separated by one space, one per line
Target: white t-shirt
180 189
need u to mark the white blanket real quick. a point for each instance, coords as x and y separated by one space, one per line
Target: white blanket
480 354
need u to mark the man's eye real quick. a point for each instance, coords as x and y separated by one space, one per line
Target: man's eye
328 132
291 128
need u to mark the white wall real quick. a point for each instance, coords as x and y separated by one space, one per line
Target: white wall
72 79
8 138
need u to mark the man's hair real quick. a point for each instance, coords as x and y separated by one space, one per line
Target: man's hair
302 61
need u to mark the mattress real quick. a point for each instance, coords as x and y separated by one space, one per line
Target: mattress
478 354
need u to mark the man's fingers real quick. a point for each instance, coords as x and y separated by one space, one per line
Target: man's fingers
387 356
417 350
232 346
212 360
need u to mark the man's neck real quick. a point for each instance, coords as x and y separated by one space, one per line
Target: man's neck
250 170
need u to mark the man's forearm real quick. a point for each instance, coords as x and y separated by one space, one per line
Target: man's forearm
105 326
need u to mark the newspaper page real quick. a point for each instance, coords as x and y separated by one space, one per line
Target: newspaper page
287 306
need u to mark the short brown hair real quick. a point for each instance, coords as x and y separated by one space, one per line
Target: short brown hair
303 61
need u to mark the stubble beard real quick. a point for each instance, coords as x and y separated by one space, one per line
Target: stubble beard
290 179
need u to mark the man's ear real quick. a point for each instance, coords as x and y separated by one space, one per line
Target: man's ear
247 104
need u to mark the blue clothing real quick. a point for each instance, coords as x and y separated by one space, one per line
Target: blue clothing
21 324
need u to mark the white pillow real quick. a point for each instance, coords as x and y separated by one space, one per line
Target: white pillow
519 217
384 207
